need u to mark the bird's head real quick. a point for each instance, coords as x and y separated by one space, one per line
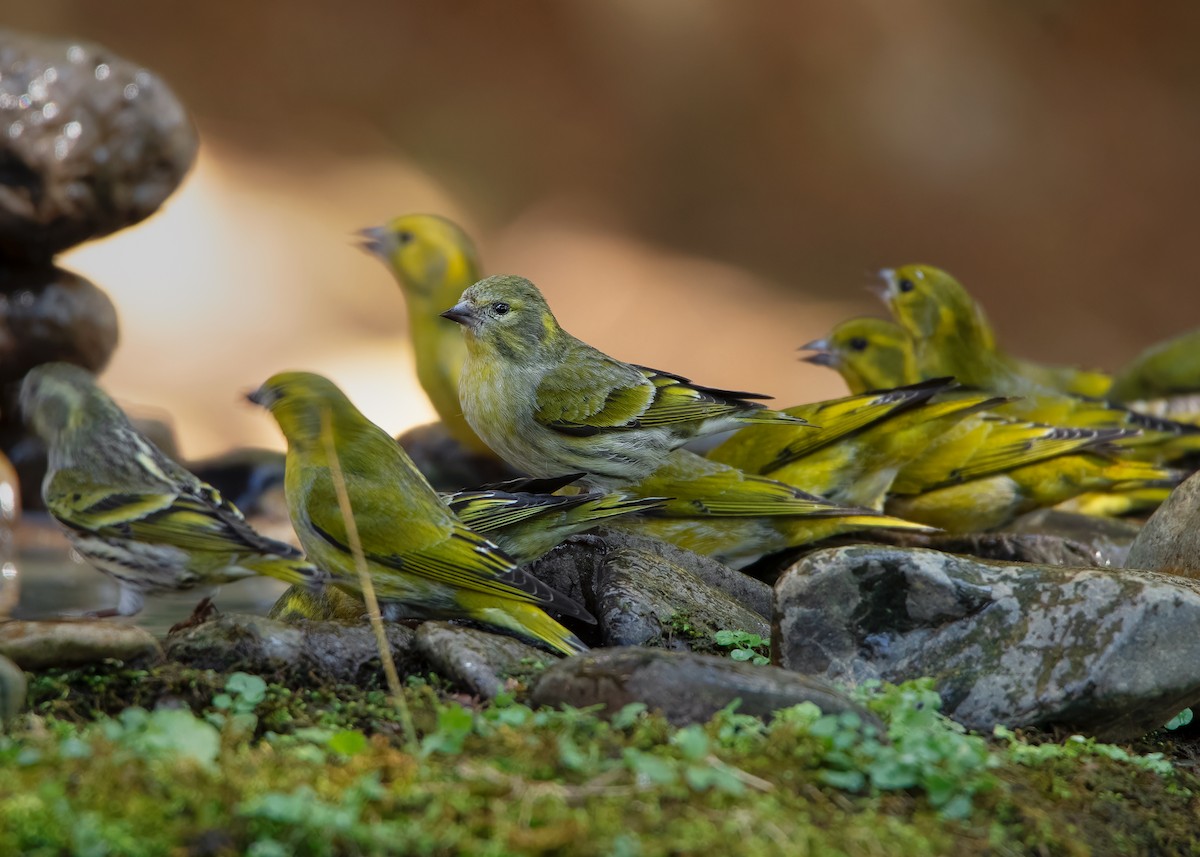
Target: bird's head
424 252
869 353
932 305
57 398
299 401
507 315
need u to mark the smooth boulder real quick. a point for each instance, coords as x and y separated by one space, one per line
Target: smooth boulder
1110 653
1170 540
685 687
477 661
301 651
39 645
91 143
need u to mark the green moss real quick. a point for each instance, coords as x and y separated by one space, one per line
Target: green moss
228 764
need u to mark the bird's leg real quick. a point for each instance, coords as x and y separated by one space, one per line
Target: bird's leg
204 611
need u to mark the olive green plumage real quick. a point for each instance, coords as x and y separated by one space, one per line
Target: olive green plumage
422 560
979 472
862 444
736 517
950 336
527 525
131 511
551 404
433 261
1170 368
954 338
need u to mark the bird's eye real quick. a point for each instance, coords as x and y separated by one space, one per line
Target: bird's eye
500 308
858 343
404 237
905 285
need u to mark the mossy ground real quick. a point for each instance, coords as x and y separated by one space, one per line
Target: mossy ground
230 765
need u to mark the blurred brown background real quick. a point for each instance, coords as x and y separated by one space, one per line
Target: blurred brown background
699 185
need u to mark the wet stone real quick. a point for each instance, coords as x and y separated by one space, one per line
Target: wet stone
49 314
574 567
479 662
1040 548
40 645
644 597
91 143
1107 540
1109 653
12 690
1169 541
685 687
304 651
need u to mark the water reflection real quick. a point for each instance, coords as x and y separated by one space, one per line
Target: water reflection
53 582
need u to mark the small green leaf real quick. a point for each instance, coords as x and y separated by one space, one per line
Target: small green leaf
850 781
628 715
692 741
1183 718
348 742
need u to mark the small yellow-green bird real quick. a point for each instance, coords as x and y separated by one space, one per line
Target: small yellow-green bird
421 557
550 404
949 336
526 525
131 511
735 517
864 441
981 471
953 337
1170 368
433 261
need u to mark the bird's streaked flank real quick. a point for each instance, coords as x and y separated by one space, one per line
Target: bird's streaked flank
131 511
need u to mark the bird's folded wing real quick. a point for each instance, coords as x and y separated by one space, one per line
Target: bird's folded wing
184 519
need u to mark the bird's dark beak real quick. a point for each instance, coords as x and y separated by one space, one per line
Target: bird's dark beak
259 397
372 240
823 356
461 313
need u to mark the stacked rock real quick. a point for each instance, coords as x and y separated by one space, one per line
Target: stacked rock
89 143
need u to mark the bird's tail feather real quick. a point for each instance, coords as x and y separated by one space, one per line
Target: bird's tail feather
530 622
295 571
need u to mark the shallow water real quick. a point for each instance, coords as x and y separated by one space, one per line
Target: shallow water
51 581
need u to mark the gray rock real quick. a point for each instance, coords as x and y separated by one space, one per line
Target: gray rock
1169 541
1107 540
49 314
91 143
1039 548
685 687
1113 654
572 568
39 645
447 464
645 597
320 651
477 661
12 690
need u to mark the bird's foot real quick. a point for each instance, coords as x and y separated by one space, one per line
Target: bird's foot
204 611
